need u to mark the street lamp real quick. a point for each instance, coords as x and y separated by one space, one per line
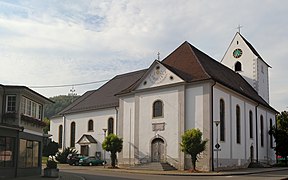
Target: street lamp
217 146
104 130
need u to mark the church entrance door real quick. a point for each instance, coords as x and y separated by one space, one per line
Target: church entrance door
85 150
157 150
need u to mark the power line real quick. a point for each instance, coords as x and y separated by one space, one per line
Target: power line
68 85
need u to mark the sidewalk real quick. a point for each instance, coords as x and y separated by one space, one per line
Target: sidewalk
67 176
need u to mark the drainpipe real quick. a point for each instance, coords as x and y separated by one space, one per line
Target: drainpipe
64 132
212 123
117 123
256 113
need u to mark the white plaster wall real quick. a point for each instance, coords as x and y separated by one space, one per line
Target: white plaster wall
100 119
225 146
54 128
250 141
233 154
128 127
262 80
169 97
265 152
248 59
194 107
152 80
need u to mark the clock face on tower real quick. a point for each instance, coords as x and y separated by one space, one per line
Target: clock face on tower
237 53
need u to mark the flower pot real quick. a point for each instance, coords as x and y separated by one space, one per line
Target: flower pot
49 172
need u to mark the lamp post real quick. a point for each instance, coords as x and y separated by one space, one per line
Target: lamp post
217 146
104 130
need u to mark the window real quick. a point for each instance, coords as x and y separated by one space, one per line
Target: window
157 109
11 103
110 125
31 108
7 151
271 137
60 136
28 153
261 131
238 66
90 125
238 125
72 134
251 124
222 120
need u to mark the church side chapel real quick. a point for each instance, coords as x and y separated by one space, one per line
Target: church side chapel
151 108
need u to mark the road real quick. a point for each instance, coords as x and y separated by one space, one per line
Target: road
110 175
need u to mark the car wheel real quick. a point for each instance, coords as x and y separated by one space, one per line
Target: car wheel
90 164
76 163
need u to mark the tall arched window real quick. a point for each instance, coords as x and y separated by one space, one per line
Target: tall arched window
238 66
60 136
271 137
238 125
251 124
261 131
222 120
158 109
110 125
90 125
72 134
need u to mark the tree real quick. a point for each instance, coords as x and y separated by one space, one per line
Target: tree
113 144
193 144
280 133
51 149
47 127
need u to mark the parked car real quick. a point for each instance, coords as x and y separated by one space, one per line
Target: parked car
91 161
73 159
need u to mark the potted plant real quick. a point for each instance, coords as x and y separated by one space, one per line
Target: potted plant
51 169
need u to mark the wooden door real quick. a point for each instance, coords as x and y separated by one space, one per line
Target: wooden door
157 150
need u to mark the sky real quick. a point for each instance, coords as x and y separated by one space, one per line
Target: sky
70 42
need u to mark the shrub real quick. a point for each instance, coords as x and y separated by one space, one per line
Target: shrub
61 157
51 164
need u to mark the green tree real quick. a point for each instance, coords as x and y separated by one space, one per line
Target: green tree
47 127
61 102
51 149
193 144
113 144
280 133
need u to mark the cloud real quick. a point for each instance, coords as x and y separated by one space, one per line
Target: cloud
52 42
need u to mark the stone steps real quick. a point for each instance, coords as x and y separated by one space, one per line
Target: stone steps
156 166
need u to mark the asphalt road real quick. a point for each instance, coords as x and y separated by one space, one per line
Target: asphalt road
107 175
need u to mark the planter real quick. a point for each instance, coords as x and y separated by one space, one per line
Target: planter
49 172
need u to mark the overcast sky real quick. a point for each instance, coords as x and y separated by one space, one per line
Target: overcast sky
59 42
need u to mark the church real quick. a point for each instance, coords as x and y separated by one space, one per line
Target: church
152 108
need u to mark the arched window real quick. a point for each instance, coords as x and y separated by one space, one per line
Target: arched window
238 125
90 125
261 131
72 134
157 109
251 123
110 125
60 136
238 66
222 120
271 137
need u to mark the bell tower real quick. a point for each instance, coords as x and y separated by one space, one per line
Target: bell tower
242 58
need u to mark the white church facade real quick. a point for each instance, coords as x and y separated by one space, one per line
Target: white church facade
151 108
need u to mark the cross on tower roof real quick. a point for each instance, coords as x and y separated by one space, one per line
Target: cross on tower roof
239 28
